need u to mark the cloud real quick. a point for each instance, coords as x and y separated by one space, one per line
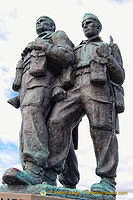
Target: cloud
124 176
3 31
5 18
77 2
13 13
8 160
6 83
122 1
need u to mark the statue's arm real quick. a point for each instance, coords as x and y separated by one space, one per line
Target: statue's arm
18 76
114 62
61 50
115 66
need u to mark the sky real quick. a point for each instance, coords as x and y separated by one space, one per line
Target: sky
17 29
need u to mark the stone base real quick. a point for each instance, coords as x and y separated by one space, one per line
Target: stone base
43 191
21 196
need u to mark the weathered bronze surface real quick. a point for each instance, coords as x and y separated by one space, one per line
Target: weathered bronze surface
98 72
38 73
58 84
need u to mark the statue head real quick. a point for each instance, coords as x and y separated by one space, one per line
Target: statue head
91 25
45 23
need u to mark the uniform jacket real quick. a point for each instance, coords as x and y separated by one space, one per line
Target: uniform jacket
37 66
99 67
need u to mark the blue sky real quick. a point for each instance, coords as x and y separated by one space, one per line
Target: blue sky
17 29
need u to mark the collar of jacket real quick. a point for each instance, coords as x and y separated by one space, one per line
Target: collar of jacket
45 35
95 40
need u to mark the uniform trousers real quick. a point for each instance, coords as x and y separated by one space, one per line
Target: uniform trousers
68 113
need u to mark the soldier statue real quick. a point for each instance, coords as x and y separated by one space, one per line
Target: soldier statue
42 63
97 93
58 85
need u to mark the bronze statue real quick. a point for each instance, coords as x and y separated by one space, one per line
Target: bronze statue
97 92
58 84
42 63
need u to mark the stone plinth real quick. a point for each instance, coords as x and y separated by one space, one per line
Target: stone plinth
21 196
35 192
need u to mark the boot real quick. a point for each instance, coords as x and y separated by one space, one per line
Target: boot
49 177
31 175
69 186
105 185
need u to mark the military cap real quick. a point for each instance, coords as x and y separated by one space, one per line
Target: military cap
90 16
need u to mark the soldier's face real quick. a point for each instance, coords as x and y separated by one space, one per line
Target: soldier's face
43 24
90 28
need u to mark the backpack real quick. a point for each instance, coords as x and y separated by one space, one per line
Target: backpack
118 91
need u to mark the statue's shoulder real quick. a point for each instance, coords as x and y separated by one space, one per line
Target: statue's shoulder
83 42
60 38
59 35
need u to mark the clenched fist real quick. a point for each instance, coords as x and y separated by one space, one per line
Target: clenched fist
103 51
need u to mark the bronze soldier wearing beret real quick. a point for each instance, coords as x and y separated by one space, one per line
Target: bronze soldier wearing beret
99 73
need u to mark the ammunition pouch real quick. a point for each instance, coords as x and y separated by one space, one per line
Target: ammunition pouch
98 74
37 62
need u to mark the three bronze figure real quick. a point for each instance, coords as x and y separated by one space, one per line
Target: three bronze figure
57 85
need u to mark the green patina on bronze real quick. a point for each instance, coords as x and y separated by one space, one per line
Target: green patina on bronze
58 84
59 192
